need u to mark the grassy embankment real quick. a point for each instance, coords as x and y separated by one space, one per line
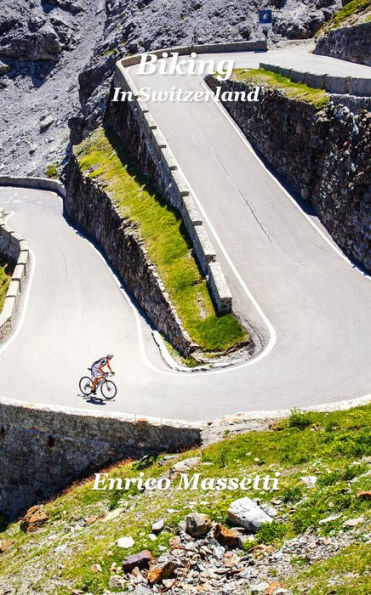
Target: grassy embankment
101 157
333 447
4 284
350 14
259 76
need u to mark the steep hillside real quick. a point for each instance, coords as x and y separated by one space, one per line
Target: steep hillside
57 58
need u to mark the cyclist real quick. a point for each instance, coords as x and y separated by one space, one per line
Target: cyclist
97 371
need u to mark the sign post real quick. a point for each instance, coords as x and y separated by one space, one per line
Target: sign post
265 21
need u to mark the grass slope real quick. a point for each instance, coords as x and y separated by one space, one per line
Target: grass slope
162 230
350 14
298 91
334 447
4 284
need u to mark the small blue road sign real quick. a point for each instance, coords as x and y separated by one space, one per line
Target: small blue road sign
265 17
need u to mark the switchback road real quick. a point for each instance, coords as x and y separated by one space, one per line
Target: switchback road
287 276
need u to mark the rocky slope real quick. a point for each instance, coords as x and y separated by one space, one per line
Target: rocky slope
43 46
310 535
57 57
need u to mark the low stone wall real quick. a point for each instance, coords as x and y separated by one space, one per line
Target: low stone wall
14 250
92 210
207 48
37 183
357 86
323 155
44 449
347 43
138 131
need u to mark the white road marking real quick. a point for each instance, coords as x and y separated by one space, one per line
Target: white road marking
271 330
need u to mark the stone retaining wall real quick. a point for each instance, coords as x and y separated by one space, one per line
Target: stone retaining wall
44 449
323 155
92 210
360 87
14 250
347 43
138 131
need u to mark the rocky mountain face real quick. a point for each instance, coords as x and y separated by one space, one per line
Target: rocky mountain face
43 46
57 58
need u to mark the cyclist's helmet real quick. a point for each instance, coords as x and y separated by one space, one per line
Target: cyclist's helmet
109 356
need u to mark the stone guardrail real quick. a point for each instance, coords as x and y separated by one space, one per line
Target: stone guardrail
15 249
208 48
342 85
45 448
37 183
182 196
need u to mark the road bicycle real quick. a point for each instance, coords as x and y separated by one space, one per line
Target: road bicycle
107 387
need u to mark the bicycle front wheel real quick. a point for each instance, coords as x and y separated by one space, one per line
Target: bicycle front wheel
108 389
85 385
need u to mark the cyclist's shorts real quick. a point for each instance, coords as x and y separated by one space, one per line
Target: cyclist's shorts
95 372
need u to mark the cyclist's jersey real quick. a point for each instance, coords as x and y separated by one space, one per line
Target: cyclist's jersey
100 362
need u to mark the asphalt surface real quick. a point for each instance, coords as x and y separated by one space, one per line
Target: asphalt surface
309 305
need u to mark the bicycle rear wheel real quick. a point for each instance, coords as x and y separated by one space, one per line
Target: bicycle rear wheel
86 385
108 389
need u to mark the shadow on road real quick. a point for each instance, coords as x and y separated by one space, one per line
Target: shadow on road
94 400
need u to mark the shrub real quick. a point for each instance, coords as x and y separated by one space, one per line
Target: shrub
299 419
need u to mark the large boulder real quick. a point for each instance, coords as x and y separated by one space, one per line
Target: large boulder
198 524
70 5
32 46
35 518
246 513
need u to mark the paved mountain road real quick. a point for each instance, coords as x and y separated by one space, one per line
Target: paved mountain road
317 303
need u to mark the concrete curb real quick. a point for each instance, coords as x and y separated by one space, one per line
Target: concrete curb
349 85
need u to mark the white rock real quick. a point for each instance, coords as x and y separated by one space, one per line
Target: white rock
328 519
158 526
260 588
309 480
125 542
185 465
246 513
46 122
353 522
113 514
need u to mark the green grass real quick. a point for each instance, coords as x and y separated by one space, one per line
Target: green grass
101 157
65 548
259 76
347 15
4 284
346 573
52 171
